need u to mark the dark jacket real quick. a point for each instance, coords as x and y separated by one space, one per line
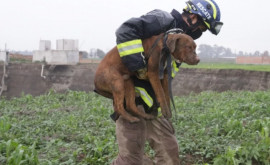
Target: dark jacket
150 24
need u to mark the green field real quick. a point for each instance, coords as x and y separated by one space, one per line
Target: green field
204 65
229 128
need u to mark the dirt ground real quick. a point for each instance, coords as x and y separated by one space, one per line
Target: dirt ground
27 79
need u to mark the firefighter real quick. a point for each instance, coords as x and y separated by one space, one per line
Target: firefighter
197 17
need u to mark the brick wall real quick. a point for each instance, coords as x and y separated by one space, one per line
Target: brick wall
252 60
266 60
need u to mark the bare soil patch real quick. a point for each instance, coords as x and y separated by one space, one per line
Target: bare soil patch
26 78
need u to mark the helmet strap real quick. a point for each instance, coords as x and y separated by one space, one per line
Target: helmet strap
190 29
191 25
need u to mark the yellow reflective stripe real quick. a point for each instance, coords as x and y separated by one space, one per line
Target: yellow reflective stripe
129 43
214 8
130 47
173 74
175 69
159 112
132 51
207 24
188 6
145 96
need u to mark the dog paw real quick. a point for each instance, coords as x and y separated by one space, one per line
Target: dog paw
166 112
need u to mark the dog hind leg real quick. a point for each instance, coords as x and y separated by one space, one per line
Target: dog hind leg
130 100
159 92
118 90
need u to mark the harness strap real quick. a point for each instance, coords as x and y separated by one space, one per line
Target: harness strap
165 55
155 44
166 52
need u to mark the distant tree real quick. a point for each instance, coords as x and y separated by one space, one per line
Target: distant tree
84 54
265 54
256 53
207 51
100 53
220 51
229 53
241 53
96 53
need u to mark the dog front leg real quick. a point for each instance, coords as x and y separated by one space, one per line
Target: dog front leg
160 95
130 100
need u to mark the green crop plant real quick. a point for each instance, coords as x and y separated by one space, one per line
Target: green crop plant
74 128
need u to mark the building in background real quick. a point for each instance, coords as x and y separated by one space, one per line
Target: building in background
4 57
44 45
64 44
66 53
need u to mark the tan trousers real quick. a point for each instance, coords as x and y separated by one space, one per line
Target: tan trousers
131 138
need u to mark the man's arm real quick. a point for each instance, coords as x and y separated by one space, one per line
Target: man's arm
131 33
150 24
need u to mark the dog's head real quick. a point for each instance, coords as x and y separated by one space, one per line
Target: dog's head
183 48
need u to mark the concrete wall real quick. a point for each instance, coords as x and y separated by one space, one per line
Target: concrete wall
3 56
57 57
39 56
62 57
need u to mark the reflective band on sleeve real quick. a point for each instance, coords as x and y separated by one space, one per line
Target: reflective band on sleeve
145 96
129 43
129 52
130 47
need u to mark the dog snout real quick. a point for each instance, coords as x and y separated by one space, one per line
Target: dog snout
197 60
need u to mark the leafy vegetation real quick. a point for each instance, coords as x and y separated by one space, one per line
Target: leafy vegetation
18 60
219 65
225 128
75 128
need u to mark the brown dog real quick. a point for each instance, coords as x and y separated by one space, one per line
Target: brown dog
113 80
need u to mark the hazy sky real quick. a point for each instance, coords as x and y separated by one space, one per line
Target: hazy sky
93 22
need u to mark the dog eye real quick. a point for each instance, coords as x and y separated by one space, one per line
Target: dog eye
188 47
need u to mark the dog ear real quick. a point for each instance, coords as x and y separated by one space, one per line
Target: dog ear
171 41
